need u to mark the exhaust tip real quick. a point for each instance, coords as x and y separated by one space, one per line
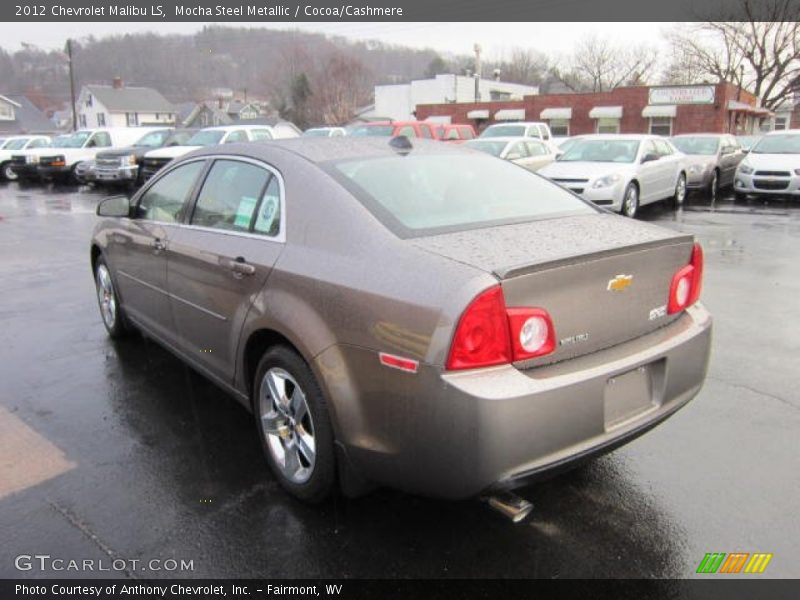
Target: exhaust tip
510 506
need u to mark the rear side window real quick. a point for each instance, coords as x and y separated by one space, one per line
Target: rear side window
230 195
426 131
407 131
429 194
466 133
452 134
164 200
268 218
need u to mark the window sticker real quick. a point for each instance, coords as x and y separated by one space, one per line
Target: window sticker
245 211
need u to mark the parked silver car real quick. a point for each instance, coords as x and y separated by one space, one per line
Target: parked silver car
621 172
415 315
525 152
772 167
711 160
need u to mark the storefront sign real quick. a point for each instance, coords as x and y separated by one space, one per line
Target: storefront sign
694 94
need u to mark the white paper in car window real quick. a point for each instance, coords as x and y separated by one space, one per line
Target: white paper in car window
267 214
244 213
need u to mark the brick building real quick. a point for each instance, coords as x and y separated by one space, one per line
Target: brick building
663 110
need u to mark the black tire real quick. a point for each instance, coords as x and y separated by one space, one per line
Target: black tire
117 325
7 173
679 196
321 481
713 186
739 197
630 206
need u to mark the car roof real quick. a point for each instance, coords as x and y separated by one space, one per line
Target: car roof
779 132
234 127
324 149
684 135
508 138
519 123
623 136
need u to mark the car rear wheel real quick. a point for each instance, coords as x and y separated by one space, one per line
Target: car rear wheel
680 190
7 172
294 426
108 301
630 201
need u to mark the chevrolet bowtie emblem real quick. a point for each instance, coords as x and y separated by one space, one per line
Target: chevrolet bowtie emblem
619 283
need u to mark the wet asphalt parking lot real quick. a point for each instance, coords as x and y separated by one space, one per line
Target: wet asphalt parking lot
117 450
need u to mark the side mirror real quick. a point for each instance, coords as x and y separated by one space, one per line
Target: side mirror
115 207
649 157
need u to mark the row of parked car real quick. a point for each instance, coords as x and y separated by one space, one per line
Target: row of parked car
121 155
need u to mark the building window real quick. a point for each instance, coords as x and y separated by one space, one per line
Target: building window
559 127
6 112
781 122
101 119
661 126
607 125
157 117
132 119
89 100
82 120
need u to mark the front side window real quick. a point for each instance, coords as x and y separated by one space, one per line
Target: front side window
164 200
661 126
230 196
261 134
101 139
236 136
39 143
429 194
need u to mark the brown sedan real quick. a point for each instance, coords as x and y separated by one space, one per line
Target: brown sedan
421 316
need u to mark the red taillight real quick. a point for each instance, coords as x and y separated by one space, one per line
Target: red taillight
687 283
490 334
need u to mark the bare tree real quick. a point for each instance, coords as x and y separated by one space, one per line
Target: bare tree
525 66
598 65
340 87
760 53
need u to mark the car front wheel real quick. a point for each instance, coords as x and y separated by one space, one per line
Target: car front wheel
108 301
8 173
294 426
680 190
630 201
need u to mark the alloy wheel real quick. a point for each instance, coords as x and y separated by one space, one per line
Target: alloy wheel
631 203
9 173
680 190
287 425
106 297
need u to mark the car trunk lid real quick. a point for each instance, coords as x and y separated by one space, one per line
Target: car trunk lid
603 279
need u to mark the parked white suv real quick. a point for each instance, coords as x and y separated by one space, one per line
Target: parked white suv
771 168
60 162
621 172
210 136
11 145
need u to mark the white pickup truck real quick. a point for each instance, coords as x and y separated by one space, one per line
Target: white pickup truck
60 161
14 144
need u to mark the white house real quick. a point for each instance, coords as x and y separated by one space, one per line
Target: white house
399 101
118 105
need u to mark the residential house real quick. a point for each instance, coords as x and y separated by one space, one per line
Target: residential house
19 115
118 105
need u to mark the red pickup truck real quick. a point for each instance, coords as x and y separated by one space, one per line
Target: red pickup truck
455 133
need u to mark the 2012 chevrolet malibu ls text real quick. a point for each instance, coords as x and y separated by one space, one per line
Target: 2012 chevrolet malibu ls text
425 317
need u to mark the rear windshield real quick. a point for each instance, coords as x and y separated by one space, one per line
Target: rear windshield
431 194
364 130
701 145
504 131
787 143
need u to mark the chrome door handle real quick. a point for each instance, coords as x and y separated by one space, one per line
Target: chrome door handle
158 245
240 268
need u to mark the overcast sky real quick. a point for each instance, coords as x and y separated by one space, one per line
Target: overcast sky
457 38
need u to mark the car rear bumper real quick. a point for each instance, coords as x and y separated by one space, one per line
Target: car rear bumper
458 434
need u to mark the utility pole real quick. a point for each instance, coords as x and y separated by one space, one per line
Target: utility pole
72 86
477 49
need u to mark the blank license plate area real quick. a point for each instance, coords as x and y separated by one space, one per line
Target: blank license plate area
627 396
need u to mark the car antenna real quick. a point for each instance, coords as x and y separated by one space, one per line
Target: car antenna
402 144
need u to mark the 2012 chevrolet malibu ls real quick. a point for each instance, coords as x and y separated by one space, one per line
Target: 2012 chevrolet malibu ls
423 316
